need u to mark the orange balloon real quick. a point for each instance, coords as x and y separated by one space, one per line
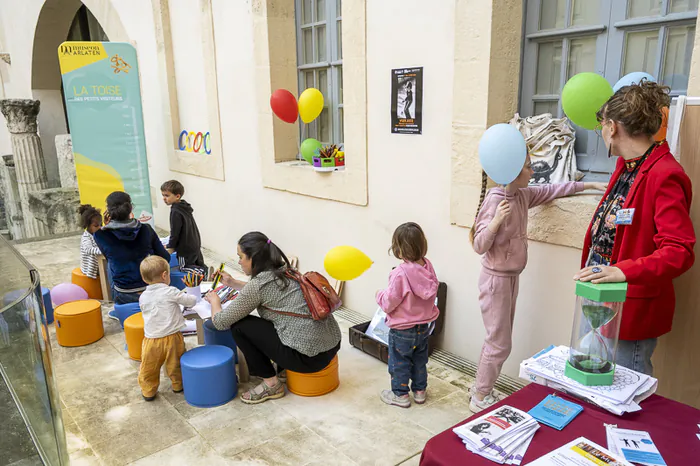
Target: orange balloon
661 134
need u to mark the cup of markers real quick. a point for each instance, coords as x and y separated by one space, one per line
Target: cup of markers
193 280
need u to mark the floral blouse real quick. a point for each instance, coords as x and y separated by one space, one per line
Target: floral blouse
604 228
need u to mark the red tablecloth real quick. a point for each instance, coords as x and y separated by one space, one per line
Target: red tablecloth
672 426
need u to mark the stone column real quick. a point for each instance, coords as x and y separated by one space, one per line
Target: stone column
66 161
21 116
13 209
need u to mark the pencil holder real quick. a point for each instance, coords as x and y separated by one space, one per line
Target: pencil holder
194 291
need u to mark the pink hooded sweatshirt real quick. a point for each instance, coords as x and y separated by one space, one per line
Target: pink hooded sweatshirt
409 299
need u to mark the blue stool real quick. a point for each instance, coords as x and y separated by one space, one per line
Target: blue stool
209 376
176 279
173 260
124 311
212 336
48 307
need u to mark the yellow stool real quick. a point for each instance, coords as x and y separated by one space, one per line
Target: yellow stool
133 330
90 285
79 323
314 384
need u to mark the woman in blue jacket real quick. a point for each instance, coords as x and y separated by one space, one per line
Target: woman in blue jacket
125 242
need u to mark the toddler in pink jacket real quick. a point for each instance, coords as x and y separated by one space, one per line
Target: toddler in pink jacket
409 303
499 234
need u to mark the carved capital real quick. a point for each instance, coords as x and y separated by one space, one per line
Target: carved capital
20 114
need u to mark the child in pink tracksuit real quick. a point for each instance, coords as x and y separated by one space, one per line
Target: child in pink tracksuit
500 235
409 304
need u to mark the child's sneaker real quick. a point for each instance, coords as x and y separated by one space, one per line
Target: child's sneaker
113 315
148 398
419 396
476 405
390 398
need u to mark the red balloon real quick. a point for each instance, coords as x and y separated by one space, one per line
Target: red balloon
284 104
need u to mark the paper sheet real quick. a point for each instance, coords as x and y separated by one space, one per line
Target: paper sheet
190 326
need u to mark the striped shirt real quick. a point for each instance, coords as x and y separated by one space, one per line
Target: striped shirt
88 253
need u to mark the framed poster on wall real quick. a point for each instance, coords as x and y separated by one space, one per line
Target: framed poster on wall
103 101
407 101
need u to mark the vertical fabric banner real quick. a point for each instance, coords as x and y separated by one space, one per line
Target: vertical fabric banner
407 101
103 101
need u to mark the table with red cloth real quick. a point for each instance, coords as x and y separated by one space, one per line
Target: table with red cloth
672 427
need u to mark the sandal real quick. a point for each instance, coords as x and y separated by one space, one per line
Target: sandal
262 393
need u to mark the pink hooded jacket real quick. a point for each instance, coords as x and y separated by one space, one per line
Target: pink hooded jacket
410 297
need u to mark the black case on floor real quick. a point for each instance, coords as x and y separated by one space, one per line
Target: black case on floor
379 350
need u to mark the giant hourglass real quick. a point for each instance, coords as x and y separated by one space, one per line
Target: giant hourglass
595 332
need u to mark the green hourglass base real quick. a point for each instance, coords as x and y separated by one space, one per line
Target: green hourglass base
588 379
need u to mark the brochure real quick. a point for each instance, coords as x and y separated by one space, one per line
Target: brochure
635 445
555 412
580 452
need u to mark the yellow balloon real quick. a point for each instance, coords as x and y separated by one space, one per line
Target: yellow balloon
346 263
310 104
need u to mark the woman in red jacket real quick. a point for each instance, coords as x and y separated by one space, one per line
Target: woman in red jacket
641 232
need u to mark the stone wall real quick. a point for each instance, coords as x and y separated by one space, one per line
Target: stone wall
57 209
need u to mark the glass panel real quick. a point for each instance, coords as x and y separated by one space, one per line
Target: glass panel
324 126
581 56
640 8
340 85
679 47
321 43
548 79
320 10
680 6
308 40
307 11
640 52
553 14
341 129
546 107
323 83
585 12
339 41
309 79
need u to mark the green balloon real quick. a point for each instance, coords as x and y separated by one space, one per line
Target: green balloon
309 148
583 95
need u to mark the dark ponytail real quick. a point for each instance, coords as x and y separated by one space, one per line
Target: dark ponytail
119 206
484 183
265 256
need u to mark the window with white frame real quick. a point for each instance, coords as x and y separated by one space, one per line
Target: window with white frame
320 64
608 37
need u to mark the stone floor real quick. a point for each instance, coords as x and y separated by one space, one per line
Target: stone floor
108 423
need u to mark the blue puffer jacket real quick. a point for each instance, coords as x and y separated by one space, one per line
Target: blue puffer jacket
125 245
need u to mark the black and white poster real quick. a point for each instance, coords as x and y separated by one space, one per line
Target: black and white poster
407 101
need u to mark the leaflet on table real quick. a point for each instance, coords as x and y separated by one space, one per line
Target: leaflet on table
635 445
492 426
555 412
580 452
517 456
507 445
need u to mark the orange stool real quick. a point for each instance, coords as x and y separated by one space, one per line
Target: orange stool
133 330
79 323
90 285
314 384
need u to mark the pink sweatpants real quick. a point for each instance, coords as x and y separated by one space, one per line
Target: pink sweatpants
497 297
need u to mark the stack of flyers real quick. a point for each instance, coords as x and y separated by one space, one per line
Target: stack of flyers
629 388
501 435
635 445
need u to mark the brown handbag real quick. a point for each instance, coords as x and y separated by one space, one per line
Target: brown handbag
319 295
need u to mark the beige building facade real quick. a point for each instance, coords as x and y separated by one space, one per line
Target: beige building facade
215 63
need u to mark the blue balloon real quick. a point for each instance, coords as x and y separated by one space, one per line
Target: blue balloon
502 152
632 78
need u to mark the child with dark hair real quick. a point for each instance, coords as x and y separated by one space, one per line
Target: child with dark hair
126 242
184 234
409 304
90 221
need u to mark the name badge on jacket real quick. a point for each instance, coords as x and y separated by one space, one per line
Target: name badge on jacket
624 217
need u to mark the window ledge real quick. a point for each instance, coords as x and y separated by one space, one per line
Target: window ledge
563 221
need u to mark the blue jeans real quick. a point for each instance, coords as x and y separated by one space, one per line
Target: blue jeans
408 358
125 298
636 355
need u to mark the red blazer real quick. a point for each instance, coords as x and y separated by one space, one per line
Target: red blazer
656 248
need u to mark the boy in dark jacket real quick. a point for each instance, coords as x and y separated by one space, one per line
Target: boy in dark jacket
125 242
184 234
